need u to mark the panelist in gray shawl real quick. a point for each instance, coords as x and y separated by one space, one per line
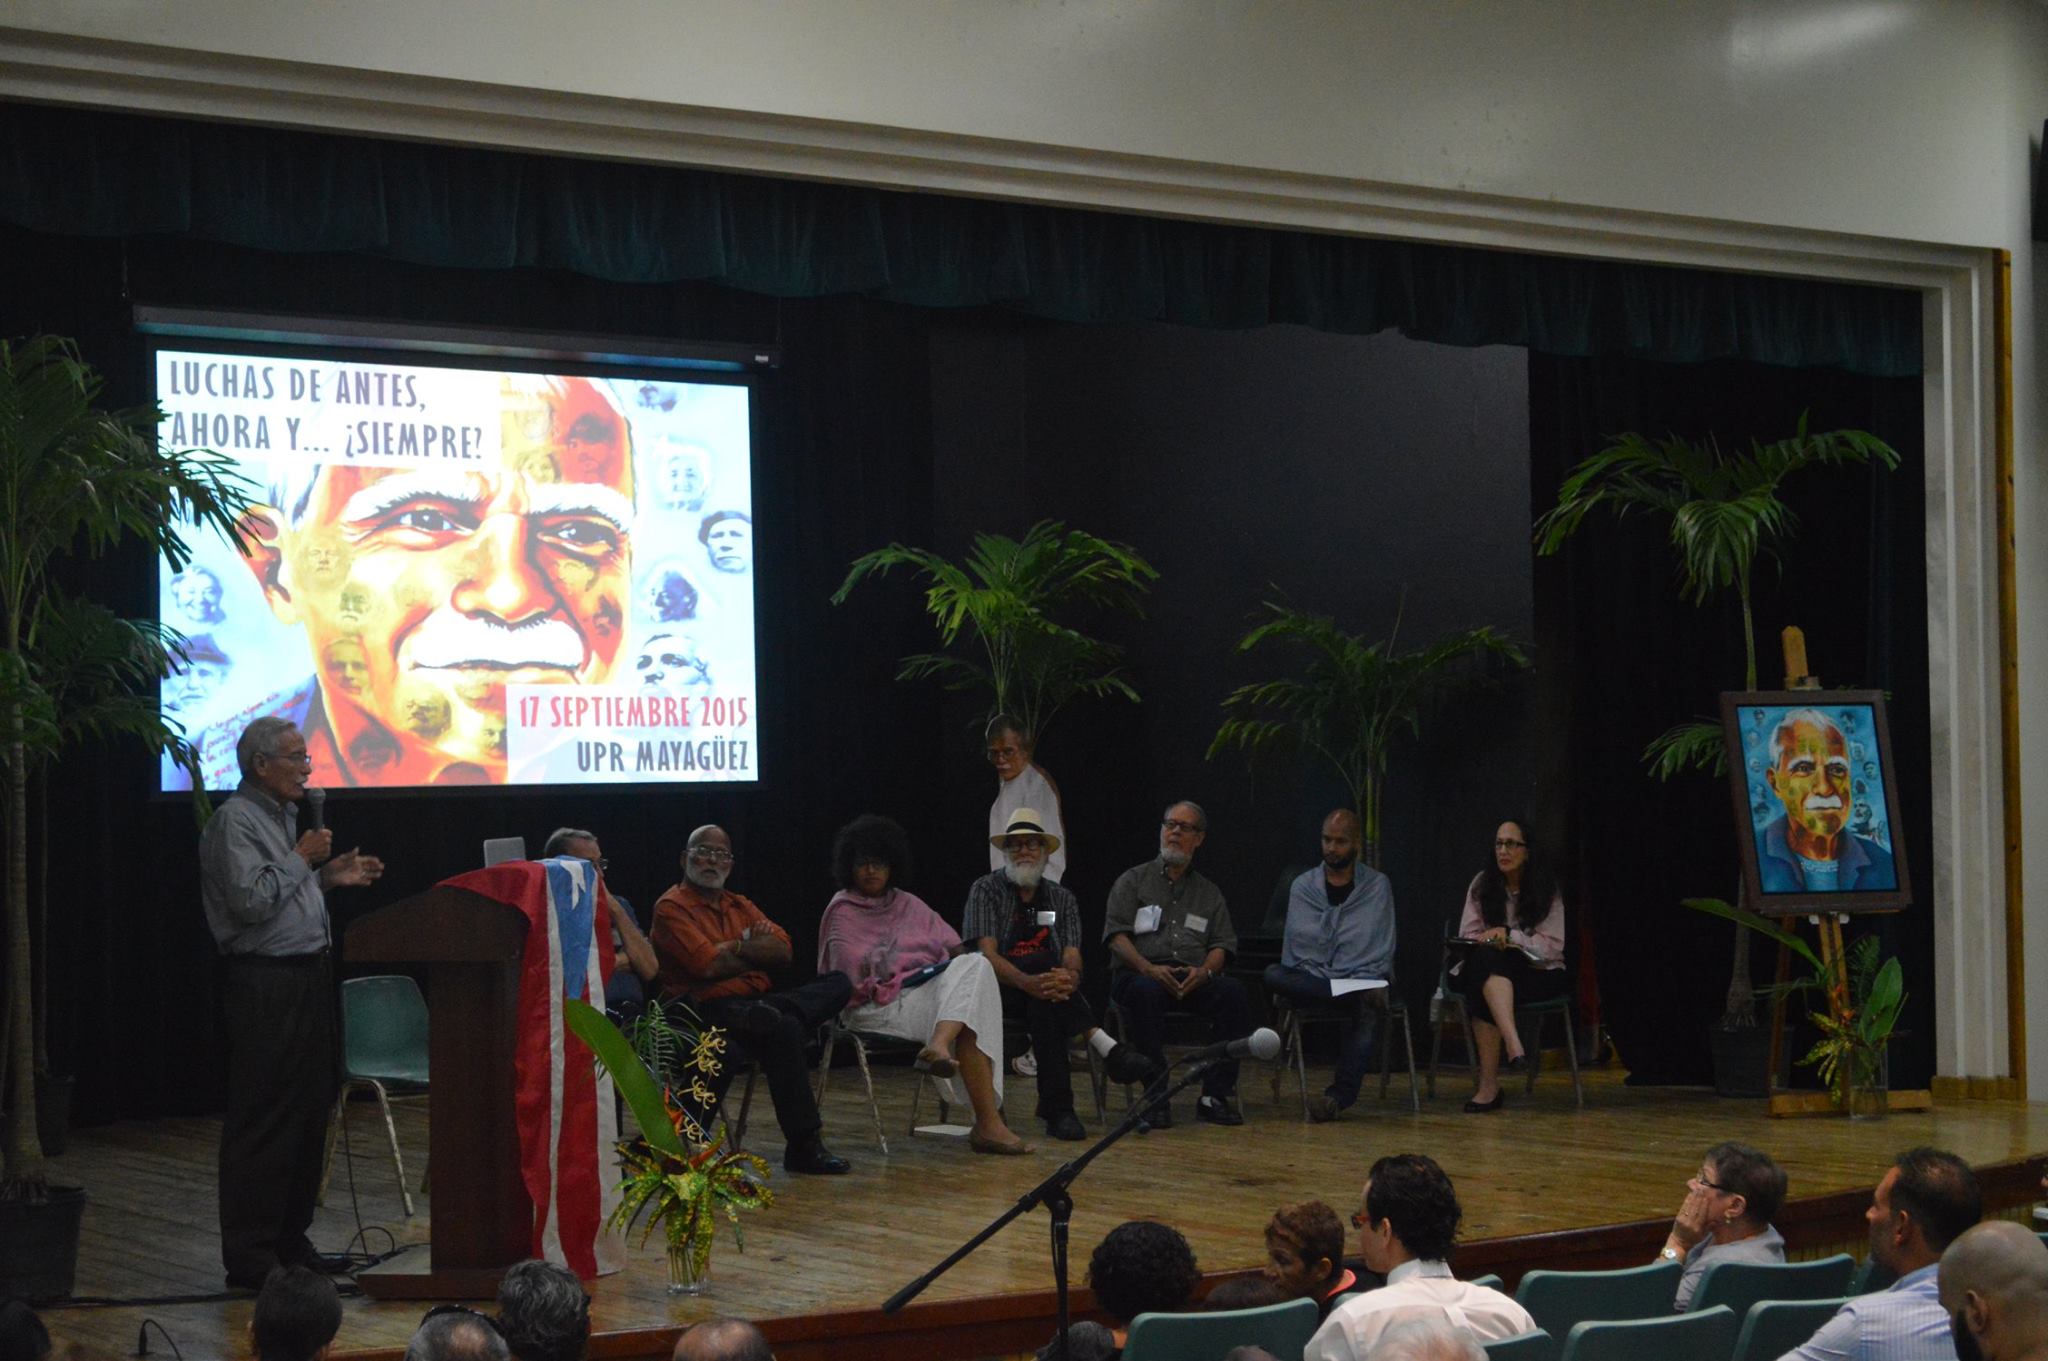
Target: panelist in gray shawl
1340 927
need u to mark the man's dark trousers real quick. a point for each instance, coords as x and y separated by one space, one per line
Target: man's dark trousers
781 1055
1051 1025
1144 1004
1361 1013
283 1071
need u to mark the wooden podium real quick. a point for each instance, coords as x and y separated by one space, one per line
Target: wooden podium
482 1215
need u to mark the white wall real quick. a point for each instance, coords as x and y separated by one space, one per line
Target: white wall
1903 119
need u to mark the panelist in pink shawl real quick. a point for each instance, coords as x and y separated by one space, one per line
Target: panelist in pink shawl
910 977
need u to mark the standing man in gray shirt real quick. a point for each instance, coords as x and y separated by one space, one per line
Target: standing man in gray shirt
263 883
1169 937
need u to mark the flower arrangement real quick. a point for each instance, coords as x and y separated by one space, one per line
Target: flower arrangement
680 1178
1864 997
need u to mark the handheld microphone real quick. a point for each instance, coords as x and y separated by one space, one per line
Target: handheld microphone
1262 1043
316 808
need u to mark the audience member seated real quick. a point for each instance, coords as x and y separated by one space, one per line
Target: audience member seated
1028 928
543 1312
910 979
722 1339
1994 1288
1169 936
1340 925
634 965
1244 1292
1419 1340
1305 1255
716 949
22 1335
1514 905
1141 1267
1726 1215
1925 1202
454 1332
297 1314
1407 1223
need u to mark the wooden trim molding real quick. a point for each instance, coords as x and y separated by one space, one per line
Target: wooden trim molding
2009 680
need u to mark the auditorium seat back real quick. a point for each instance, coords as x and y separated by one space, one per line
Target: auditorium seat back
1704 1336
1775 1327
1741 1284
1559 1299
1282 1329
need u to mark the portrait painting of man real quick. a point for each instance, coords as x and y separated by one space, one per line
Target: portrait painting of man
1816 799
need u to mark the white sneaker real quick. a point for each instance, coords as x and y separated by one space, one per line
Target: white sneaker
1025 1064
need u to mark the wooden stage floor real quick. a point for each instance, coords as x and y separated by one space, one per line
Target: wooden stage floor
839 1244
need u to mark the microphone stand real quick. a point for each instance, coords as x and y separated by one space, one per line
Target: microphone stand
1055 1195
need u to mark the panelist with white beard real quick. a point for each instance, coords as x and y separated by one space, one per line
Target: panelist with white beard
715 949
1029 928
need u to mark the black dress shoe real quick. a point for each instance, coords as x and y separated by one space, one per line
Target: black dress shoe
1518 1065
1066 1125
1159 1117
1125 1064
1217 1111
812 1158
329 1263
1482 1107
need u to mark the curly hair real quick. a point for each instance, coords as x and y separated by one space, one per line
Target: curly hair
1142 1267
871 837
543 1312
1313 1230
1749 1172
1411 1190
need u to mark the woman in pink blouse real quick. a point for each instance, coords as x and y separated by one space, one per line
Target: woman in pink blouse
1515 910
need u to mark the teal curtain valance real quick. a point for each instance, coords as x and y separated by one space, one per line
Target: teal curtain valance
85 173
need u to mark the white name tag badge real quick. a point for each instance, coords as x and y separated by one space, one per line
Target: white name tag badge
1148 920
1048 918
1198 925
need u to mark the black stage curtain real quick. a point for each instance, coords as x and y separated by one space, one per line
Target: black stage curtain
1621 660
86 173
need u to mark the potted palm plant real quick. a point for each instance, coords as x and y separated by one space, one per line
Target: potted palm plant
680 1177
1349 700
74 480
1726 518
1002 614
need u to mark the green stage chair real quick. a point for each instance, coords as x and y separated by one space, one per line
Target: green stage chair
384 1047
1559 1299
1536 1346
1282 1329
1775 1327
1741 1284
1704 1336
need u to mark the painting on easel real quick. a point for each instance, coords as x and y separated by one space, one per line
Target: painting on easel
1816 799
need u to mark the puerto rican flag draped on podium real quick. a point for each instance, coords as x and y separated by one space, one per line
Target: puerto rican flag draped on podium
568 1120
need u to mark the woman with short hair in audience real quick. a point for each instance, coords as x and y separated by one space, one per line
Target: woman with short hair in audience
1140 1267
910 977
1514 910
1305 1255
1726 1215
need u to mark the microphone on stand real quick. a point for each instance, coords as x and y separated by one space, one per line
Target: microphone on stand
316 814
1263 1043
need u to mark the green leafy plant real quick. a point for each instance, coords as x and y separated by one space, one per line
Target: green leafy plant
680 1178
76 480
1726 518
1349 699
1001 615
1864 996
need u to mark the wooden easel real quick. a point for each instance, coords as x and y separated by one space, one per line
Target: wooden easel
1833 961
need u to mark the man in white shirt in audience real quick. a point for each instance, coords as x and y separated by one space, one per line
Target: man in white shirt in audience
1407 1224
1924 1203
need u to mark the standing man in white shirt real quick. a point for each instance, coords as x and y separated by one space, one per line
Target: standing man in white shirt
1407 1223
1022 783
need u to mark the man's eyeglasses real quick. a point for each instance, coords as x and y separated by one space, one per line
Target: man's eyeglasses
297 758
1176 825
602 862
1358 1219
1505 845
1712 1185
996 754
710 856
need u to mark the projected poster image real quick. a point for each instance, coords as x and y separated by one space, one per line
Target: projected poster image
1821 810
460 576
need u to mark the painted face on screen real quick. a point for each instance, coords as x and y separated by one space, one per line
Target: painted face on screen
457 580
196 593
684 477
1810 776
670 661
729 539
